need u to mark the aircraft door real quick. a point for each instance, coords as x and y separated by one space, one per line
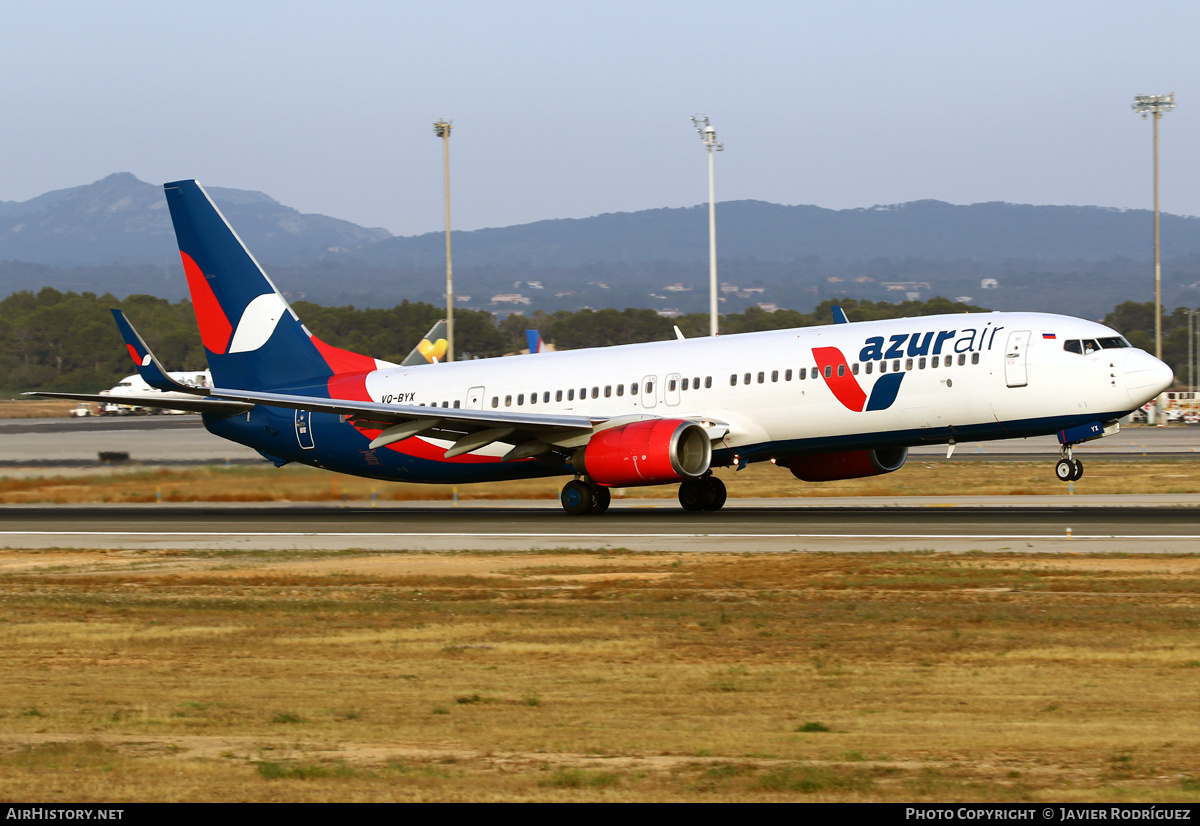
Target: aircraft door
671 389
649 391
475 398
1015 352
304 430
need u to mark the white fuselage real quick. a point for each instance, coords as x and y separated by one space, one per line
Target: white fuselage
768 389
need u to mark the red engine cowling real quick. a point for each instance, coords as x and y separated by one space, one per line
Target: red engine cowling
848 464
652 452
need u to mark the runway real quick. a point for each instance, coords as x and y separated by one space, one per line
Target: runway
1030 524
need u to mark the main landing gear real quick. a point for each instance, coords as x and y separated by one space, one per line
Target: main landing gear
704 494
1068 469
579 497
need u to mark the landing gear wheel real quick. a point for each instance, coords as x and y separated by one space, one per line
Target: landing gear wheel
601 498
576 497
1064 470
714 490
692 494
1077 474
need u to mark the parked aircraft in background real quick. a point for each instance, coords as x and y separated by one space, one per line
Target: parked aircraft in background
835 402
137 389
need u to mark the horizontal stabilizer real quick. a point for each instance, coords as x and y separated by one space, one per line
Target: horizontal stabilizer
192 404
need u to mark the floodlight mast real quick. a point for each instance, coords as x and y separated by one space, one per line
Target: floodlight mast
709 136
1155 105
442 130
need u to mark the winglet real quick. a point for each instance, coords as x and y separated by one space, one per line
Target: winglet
147 365
839 315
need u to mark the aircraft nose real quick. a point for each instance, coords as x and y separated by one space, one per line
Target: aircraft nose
1145 376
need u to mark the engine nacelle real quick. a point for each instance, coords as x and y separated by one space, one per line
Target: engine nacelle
651 452
847 464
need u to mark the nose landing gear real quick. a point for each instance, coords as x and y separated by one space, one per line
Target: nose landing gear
1068 469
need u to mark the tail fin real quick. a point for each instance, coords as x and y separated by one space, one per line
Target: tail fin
534 339
431 349
254 340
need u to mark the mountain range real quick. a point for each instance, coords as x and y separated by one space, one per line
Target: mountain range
115 235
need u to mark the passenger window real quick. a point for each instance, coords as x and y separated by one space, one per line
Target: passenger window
685 384
1075 346
649 388
803 373
908 364
695 383
962 359
854 368
571 395
921 363
733 380
746 379
533 397
633 389
707 382
774 375
495 401
841 370
896 366
883 367
508 401
445 404
828 370
935 361
558 395
787 375
761 377
870 366
620 390
520 399
595 392
608 391
546 397
671 385
456 404
974 358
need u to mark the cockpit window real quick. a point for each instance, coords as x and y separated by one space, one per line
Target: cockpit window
1073 346
1114 343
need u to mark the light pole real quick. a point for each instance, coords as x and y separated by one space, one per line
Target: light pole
709 136
442 130
1156 105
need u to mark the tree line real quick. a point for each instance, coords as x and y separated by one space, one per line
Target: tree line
53 340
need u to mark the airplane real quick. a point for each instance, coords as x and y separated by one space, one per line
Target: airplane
137 387
835 402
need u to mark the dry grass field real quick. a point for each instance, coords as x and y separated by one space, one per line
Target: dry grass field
303 484
556 676
39 409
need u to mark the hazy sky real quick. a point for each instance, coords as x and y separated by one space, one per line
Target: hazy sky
569 109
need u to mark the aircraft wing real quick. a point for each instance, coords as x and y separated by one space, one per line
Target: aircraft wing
530 433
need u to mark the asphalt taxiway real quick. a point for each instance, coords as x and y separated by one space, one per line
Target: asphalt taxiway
1147 524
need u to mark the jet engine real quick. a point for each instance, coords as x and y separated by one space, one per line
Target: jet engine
848 464
652 452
